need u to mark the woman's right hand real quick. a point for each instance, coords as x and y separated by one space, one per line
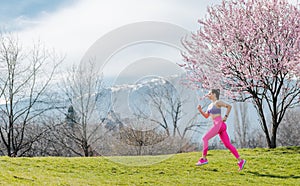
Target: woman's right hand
199 108
205 114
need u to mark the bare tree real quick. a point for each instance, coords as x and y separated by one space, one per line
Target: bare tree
42 146
289 130
160 103
241 123
81 130
136 135
256 139
25 77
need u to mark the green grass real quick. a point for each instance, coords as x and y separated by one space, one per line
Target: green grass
279 166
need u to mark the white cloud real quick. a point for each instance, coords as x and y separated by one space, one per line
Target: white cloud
72 30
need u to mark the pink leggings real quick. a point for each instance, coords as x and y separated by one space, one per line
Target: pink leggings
219 127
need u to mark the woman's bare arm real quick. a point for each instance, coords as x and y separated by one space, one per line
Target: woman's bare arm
226 105
204 114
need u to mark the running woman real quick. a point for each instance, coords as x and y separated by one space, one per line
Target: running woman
219 127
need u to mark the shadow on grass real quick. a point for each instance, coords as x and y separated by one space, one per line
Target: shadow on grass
287 150
273 176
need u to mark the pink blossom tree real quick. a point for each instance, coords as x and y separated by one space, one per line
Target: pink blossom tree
249 48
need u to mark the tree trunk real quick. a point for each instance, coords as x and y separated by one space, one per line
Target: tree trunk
263 122
273 136
140 149
85 148
271 141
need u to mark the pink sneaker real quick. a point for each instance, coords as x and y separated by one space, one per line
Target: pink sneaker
202 162
241 164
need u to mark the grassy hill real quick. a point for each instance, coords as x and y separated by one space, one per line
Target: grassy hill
280 166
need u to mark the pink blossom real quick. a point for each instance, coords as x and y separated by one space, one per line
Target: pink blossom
243 45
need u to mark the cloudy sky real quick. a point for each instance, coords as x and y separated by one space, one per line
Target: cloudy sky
73 26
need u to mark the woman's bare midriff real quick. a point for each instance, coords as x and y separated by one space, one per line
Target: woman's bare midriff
213 116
